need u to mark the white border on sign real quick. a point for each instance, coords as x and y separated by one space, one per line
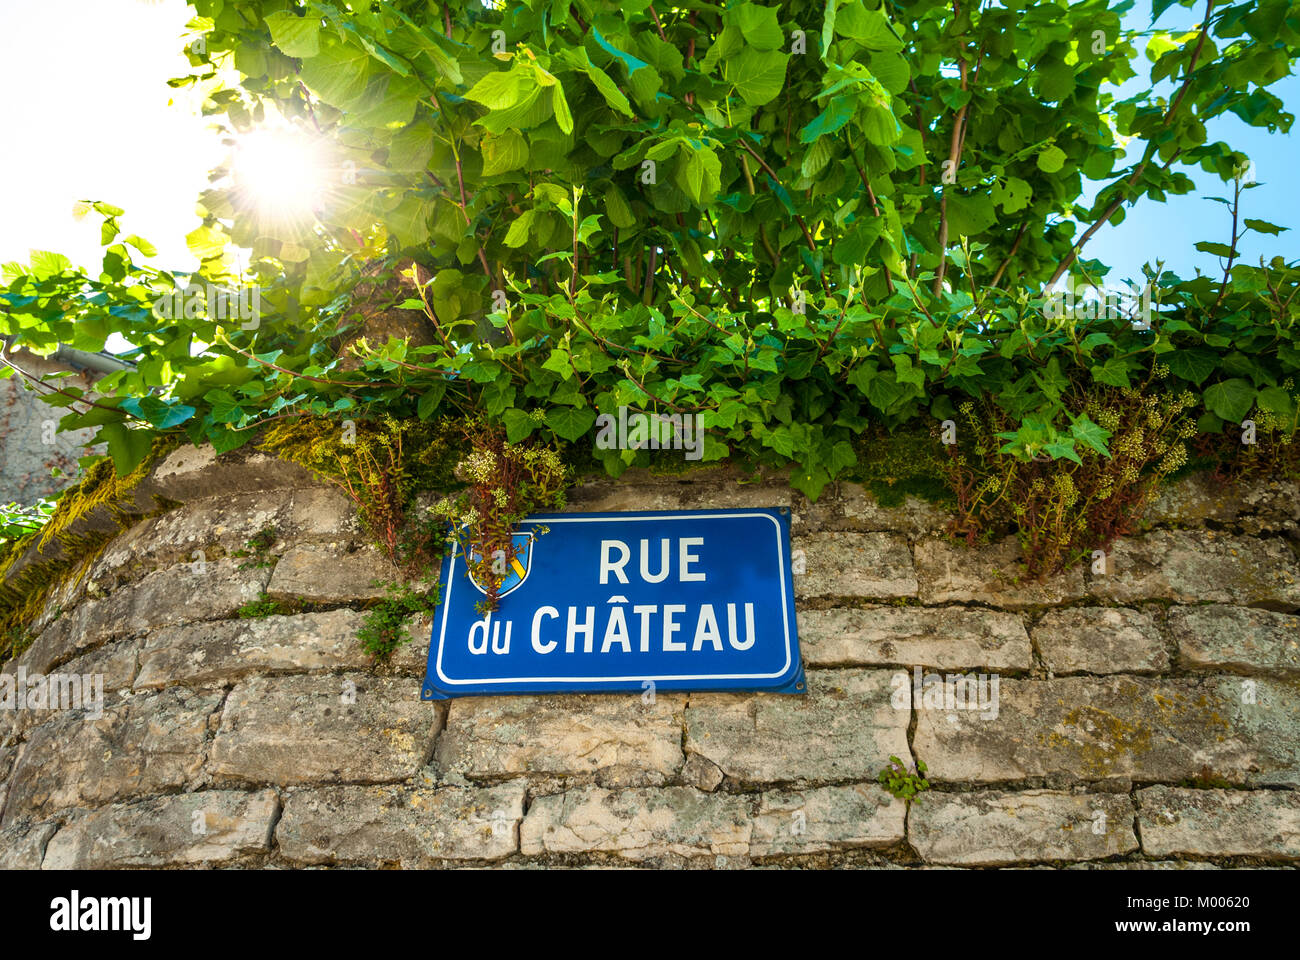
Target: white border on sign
785 614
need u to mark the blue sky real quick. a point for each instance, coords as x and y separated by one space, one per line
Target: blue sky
110 129
1169 231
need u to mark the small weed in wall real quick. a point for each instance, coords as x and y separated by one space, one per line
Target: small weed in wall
903 784
384 629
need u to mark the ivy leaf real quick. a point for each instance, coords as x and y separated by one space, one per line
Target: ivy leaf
127 447
559 362
780 439
1062 449
1277 400
843 457
519 424
570 423
1192 365
810 481
224 439
884 391
1230 400
906 373
161 414
430 399
1114 372
1090 434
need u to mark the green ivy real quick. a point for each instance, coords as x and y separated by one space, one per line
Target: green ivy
801 221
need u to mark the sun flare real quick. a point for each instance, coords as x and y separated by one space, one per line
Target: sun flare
282 175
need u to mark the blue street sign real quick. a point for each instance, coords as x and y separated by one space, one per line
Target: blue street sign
601 602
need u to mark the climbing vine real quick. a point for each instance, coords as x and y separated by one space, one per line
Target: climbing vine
813 225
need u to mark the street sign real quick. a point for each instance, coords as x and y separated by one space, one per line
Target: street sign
603 602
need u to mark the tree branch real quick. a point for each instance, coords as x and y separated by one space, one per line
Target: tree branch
1146 157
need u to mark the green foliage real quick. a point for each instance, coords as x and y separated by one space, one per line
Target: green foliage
23 594
380 465
260 608
258 548
906 463
1063 507
17 520
899 781
803 221
384 629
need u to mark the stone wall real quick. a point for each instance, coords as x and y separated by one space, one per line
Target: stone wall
1148 714
29 446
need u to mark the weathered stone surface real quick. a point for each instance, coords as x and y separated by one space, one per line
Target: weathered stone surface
913 517
325 573
212 826
993 828
225 524
637 823
22 844
1136 728
947 638
193 473
115 662
174 595
622 737
828 818
683 495
701 773
1199 567
1219 823
412 657
844 728
1100 640
954 573
300 729
1253 504
147 744
8 754
870 565
413 827
228 650
1236 638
